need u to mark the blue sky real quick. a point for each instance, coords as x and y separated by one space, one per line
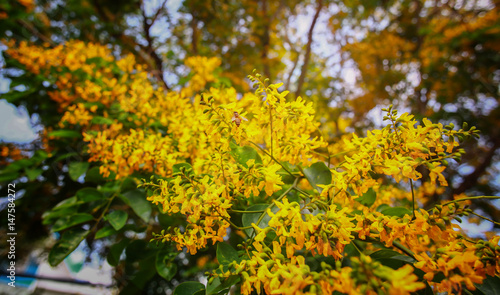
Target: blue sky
15 125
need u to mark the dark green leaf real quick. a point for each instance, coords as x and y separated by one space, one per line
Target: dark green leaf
244 153
165 268
128 184
177 167
115 252
136 199
117 219
351 250
77 169
105 232
8 176
189 288
368 198
384 253
49 217
102 120
144 274
14 95
71 220
33 173
89 194
66 156
137 250
39 156
67 244
318 173
65 134
17 166
490 286
66 203
226 254
382 207
249 218
216 286
396 211
94 176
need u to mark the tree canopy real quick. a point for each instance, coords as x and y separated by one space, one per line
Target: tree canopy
277 147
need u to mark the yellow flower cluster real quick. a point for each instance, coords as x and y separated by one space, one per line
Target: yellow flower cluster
137 151
203 202
213 155
202 69
397 150
287 126
271 272
325 234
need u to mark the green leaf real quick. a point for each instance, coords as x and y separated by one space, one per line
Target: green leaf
67 244
115 252
93 175
137 250
396 211
18 165
490 286
33 173
249 218
8 176
216 286
226 254
63 133
102 120
136 199
89 194
145 273
368 198
318 173
77 169
177 167
66 203
14 95
50 217
128 184
65 156
39 156
382 207
244 153
189 288
117 219
384 253
71 220
105 232
164 266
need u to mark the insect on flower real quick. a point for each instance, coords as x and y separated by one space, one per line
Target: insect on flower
237 119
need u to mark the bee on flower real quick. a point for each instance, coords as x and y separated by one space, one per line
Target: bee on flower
237 119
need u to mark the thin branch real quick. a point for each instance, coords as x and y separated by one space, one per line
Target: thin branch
35 32
468 198
265 39
157 69
307 55
485 218
275 160
157 14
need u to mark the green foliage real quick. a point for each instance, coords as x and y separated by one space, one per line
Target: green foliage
317 174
